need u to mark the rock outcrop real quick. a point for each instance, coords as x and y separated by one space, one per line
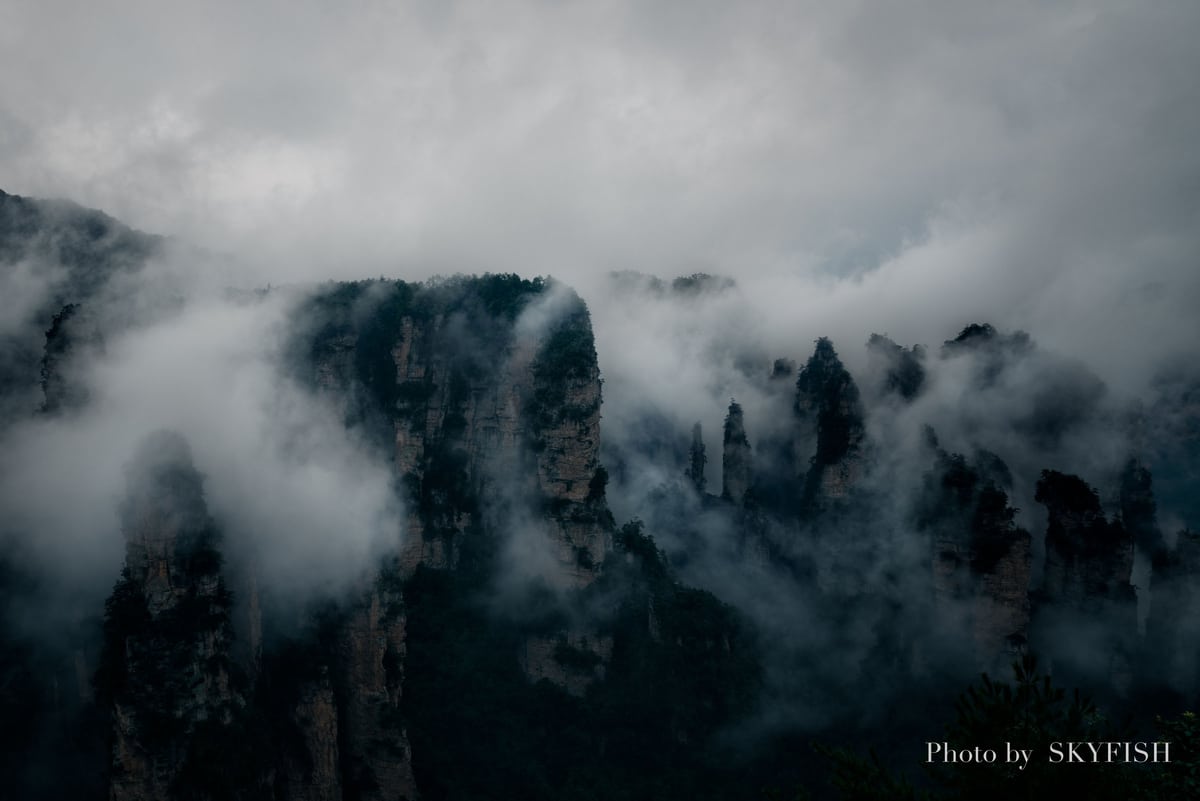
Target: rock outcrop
485 395
167 674
370 658
1173 626
830 428
736 465
73 337
54 254
992 350
697 461
484 410
981 558
571 660
1139 511
1087 615
314 773
898 371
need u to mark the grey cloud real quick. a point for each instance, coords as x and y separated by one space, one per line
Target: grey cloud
782 139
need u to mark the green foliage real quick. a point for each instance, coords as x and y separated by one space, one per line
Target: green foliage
579 659
633 540
857 778
125 616
1032 714
1068 491
1181 777
699 283
966 501
826 387
226 760
569 353
377 328
479 729
993 527
598 484
476 726
347 334
567 357
506 295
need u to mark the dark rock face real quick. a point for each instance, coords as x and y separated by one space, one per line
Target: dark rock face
1169 428
697 461
370 668
1088 610
1088 557
492 425
1139 512
53 254
992 350
167 674
476 415
74 337
1173 626
981 558
828 415
736 465
900 371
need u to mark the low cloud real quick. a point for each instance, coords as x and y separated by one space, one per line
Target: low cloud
290 487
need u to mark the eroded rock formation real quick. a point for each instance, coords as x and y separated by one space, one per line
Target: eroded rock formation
830 429
1087 614
167 676
736 464
981 558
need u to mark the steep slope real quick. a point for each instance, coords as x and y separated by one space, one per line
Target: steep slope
490 416
829 428
176 698
981 558
1086 614
52 254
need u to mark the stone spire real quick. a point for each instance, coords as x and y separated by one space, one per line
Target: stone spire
736 468
698 461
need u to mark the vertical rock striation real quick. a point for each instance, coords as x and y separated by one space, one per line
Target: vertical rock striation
167 675
371 649
485 395
485 408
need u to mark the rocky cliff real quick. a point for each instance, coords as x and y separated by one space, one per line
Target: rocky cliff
981 558
506 638
829 419
54 254
736 465
488 415
1086 598
167 676
896 370
1173 626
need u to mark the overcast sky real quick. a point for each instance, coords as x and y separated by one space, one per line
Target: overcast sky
902 167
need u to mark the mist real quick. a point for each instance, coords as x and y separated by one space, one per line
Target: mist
290 486
721 185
